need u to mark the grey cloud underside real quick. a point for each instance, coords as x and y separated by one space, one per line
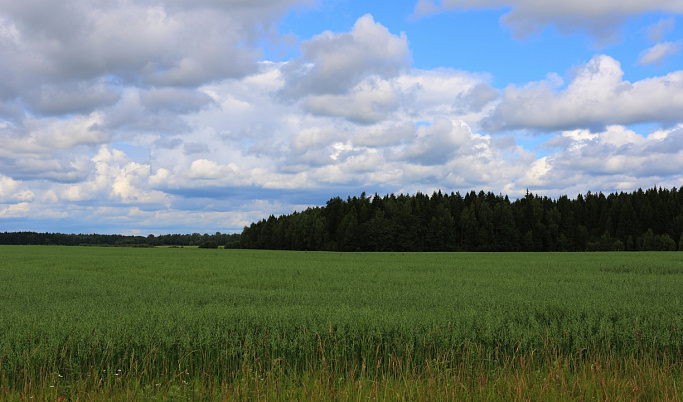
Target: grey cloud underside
476 98
672 144
74 56
616 155
174 100
70 98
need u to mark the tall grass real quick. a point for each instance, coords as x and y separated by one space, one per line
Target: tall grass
212 324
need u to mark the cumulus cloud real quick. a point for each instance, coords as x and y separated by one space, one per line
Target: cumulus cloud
78 56
114 178
13 191
599 18
206 169
377 137
613 160
331 63
369 102
19 210
476 98
436 143
446 92
48 135
364 76
179 43
596 97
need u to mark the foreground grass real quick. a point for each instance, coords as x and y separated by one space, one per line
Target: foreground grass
524 377
102 324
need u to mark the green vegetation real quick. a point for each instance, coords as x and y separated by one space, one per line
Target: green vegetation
116 240
208 244
650 220
131 323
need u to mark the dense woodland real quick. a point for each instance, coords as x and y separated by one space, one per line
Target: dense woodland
195 239
642 220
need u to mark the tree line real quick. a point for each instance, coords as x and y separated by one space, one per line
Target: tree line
641 220
194 239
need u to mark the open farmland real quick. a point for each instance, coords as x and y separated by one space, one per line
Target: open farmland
238 324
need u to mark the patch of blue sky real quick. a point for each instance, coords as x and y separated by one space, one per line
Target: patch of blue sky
135 153
476 42
644 129
635 40
535 143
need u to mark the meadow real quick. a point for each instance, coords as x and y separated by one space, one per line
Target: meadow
90 323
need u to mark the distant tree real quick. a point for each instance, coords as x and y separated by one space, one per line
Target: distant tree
666 243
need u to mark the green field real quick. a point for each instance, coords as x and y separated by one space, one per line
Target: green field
93 323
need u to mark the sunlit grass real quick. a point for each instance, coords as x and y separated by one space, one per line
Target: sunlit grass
234 324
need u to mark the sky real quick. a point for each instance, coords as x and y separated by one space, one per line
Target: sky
197 116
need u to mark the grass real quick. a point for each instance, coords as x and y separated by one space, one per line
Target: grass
103 323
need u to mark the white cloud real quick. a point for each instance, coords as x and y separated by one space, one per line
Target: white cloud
656 54
315 137
19 210
437 143
364 76
445 92
117 179
206 169
384 136
181 43
596 97
332 63
7 186
610 160
160 178
369 102
118 69
14 191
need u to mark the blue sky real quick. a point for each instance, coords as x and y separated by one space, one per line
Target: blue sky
185 116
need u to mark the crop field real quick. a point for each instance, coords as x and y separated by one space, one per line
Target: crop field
89 323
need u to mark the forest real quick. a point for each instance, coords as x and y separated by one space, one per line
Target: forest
115 240
650 220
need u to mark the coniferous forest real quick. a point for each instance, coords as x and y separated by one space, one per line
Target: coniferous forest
639 221
61 239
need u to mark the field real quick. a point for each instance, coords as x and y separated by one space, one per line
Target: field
87 323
